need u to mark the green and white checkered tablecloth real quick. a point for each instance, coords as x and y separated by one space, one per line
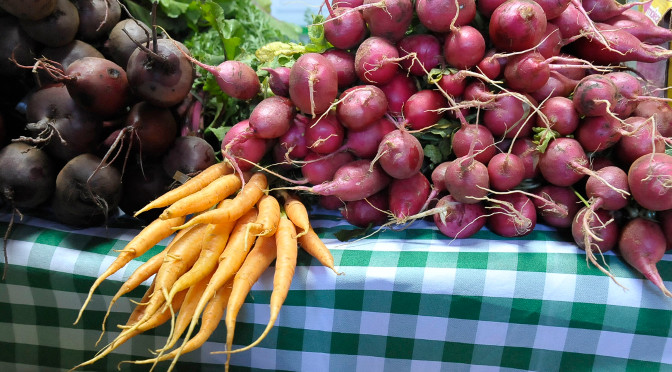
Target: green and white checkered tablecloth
410 300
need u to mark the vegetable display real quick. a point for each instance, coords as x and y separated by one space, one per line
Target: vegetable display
498 114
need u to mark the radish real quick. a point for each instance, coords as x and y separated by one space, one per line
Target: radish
510 116
239 143
376 60
423 109
293 141
444 15
427 49
490 66
629 91
408 196
603 192
598 133
313 84
517 25
467 180
397 91
370 211
451 82
505 171
364 143
400 154
344 64
356 180
278 80
318 169
665 218
556 205
564 162
325 135
595 95
561 115
360 106
438 176
474 138
464 47
596 230
650 181
272 117
512 215
661 113
528 152
642 245
624 47
344 28
458 220
602 10
557 85
388 18
162 75
641 26
640 137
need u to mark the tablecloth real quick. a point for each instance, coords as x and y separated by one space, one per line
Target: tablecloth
410 300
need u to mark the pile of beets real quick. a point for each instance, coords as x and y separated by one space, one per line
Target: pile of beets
540 118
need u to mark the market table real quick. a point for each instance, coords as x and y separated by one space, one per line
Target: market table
411 299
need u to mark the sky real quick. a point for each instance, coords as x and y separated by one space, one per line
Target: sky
294 10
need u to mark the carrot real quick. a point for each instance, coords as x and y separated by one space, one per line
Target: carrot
312 244
215 238
233 209
216 191
177 261
137 314
212 315
285 264
296 211
268 219
259 259
141 243
192 185
187 311
230 261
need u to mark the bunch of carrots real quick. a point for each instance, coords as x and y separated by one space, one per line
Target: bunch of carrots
228 231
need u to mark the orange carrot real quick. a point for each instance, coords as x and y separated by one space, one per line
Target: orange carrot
285 264
141 243
233 209
230 261
212 315
214 241
268 219
177 261
216 191
192 185
312 244
127 334
259 259
296 212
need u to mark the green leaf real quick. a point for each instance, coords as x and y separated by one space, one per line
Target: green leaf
433 153
219 132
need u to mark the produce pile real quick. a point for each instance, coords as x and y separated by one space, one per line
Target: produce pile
494 114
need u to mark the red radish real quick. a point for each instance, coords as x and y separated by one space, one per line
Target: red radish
344 64
439 176
367 212
464 47
642 245
356 180
517 25
241 144
397 91
557 85
330 202
313 84
467 180
506 171
452 82
528 152
661 113
400 154
561 115
626 47
640 137
490 65
650 180
486 7
595 232
364 143
510 116
564 162
476 138
278 80
641 26
629 90
408 196
526 72
422 109
459 220
438 15
560 206
598 133
594 95
512 215
602 190
293 141
344 28
427 49
552 42
376 60
388 18
162 75
602 10
360 106
318 169
325 135
272 117
553 8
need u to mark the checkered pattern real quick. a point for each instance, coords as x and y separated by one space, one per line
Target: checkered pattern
409 300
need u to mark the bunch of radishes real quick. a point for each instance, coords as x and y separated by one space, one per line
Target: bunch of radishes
539 117
93 108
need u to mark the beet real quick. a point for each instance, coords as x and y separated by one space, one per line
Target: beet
58 28
188 155
119 45
27 175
